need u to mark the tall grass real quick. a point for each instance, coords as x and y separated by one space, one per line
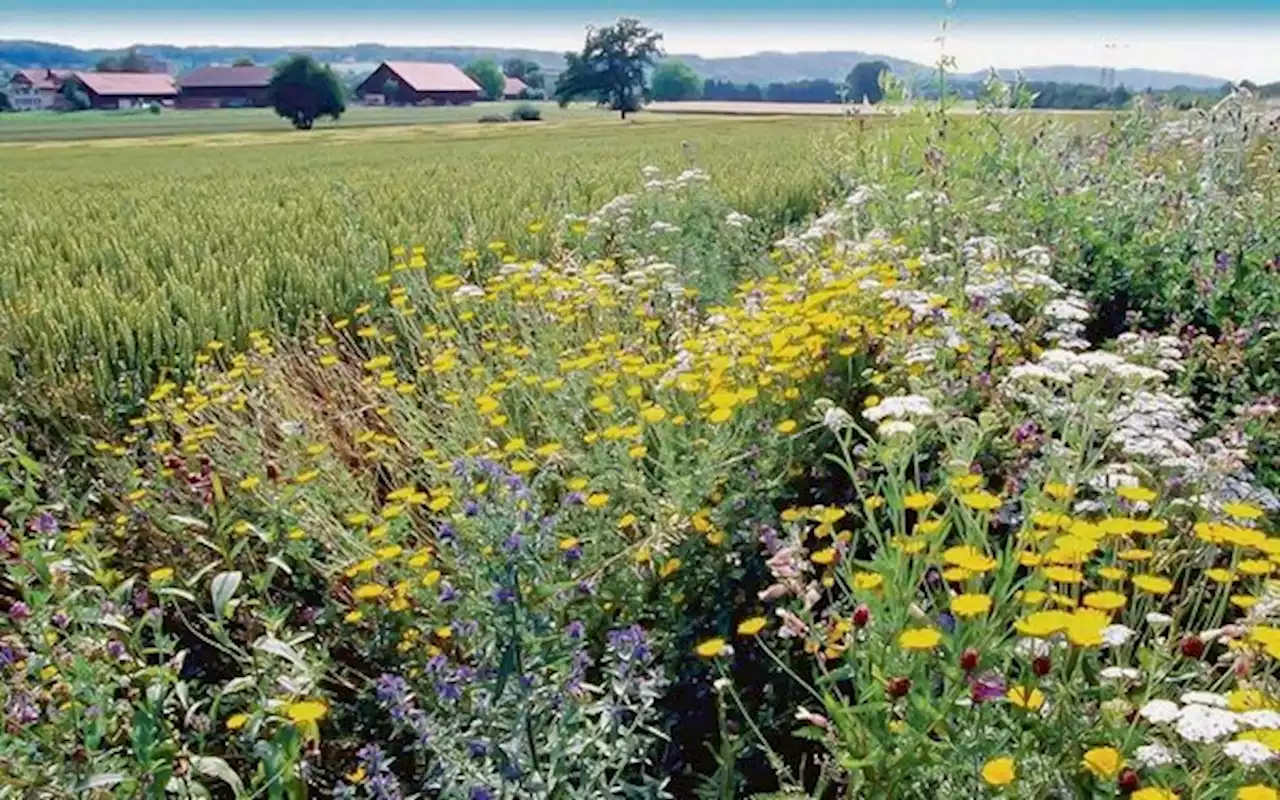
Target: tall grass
118 260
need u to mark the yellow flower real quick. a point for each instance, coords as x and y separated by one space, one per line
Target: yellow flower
353 616
1153 584
1105 601
1104 762
981 501
970 558
970 605
999 771
1063 574
1153 793
751 627
966 482
357 776
1060 491
669 568
161 575
1025 697
1136 494
1243 510
306 711
368 591
250 483
919 639
1256 566
598 500
787 426
825 556
920 500
1257 791
1043 624
1085 627
868 581
710 648
237 721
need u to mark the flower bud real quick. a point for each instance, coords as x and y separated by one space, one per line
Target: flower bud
1040 665
1128 781
898 687
861 616
1192 647
969 659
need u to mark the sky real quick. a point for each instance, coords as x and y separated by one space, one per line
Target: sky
1228 38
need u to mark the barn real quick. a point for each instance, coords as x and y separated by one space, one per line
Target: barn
418 83
225 87
125 89
514 89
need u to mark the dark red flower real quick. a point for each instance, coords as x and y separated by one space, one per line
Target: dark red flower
1192 647
1041 665
861 616
969 659
898 687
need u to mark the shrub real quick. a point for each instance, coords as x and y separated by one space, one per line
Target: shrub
493 119
526 112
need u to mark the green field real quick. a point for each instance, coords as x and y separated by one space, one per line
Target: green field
118 255
46 125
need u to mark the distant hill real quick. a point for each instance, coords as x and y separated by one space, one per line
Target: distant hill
760 68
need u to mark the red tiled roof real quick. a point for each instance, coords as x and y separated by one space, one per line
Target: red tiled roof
227 78
43 78
514 86
128 84
424 76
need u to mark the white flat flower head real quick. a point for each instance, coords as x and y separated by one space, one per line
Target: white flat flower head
1158 711
1204 699
1249 754
1197 723
1154 755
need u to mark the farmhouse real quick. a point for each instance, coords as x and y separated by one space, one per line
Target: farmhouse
125 89
514 89
35 89
224 87
418 83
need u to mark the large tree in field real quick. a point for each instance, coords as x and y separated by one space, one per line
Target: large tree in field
611 67
864 81
675 80
302 91
486 73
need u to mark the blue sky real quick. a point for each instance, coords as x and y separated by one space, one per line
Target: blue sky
1229 38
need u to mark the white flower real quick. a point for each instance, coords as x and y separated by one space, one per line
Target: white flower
902 406
1116 635
1197 723
1250 754
1204 699
1158 711
895 427
1120 673
1157 620
1261 718
837 419
1154 755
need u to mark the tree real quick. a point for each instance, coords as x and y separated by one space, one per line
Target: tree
74 97
302 90
131 61
611 67
528 71
864 81
486 73
675 80
243 61
5 105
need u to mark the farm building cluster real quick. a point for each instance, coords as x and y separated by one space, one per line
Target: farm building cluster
392 83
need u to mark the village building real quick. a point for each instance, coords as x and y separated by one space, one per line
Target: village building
514 89
225 87
418 83
118 90
35 89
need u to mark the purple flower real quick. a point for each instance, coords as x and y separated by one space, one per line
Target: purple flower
573 554
470 508
20 710
481 793
447 593
116 650
392 689
46 523
60 619
447 534
503 595
575 499
512 543
19 611
986 688
575 630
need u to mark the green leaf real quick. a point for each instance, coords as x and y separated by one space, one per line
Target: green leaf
101 781
173 591
217 768
222 589
272 645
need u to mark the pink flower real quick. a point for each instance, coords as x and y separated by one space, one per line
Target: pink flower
808 717
791 624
